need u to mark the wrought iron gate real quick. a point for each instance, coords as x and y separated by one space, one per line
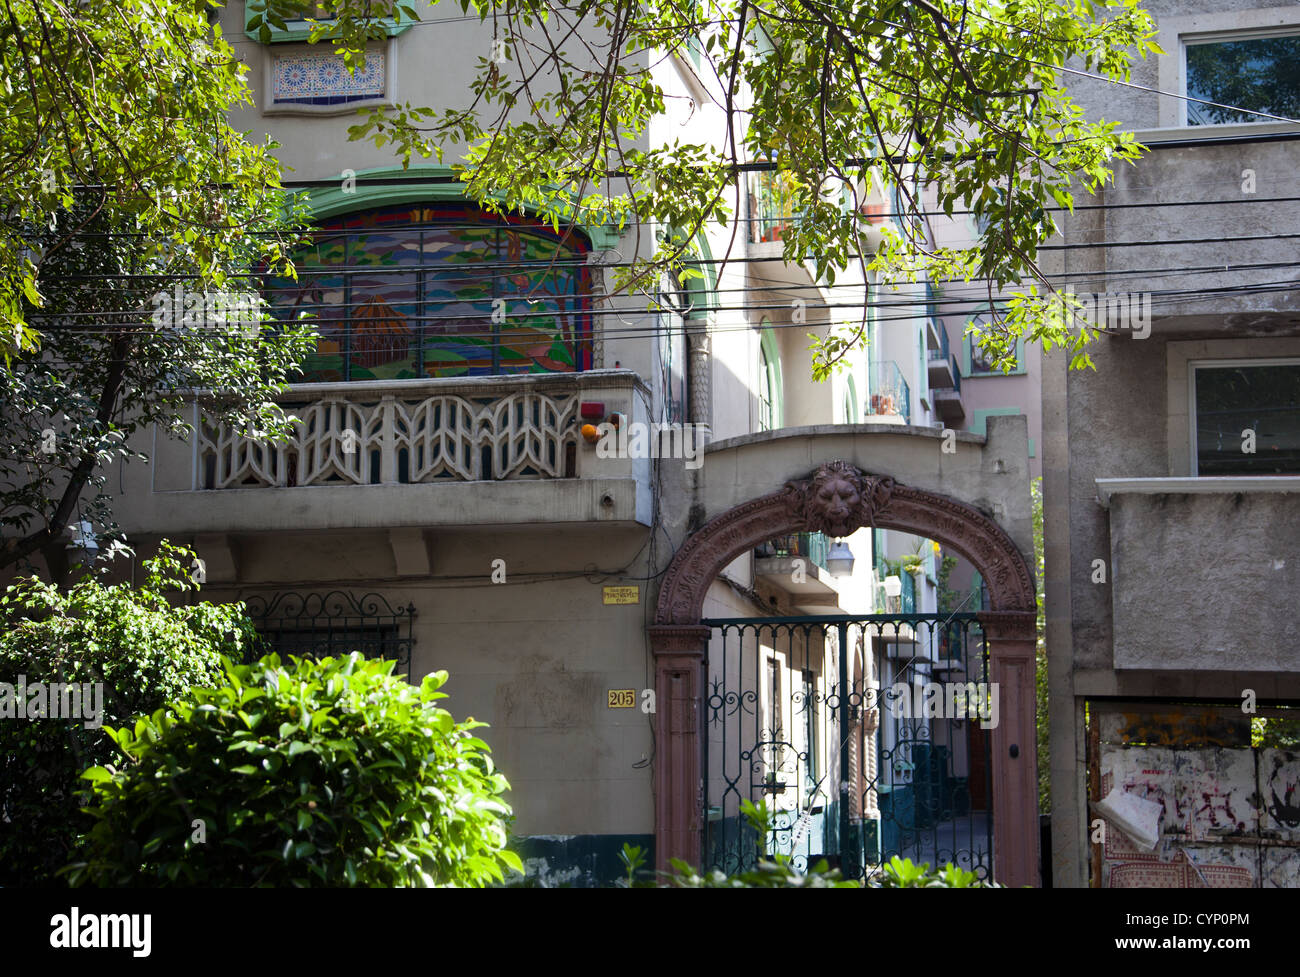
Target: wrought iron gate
868 736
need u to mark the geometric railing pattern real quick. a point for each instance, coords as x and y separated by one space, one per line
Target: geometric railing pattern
390 439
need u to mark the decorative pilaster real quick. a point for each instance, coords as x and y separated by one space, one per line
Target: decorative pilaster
1011 638
679 652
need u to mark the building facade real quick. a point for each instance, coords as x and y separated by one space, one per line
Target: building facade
442 502
1170 474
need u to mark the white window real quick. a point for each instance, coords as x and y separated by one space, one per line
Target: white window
1245 417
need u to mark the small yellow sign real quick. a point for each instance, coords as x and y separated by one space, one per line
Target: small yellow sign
622 595
622 698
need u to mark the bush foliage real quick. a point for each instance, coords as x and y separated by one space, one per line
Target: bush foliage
143 650
315 773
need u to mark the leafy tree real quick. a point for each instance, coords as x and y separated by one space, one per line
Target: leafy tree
144 651
314 773
120 355
124 187
120 108
1042 685
959 98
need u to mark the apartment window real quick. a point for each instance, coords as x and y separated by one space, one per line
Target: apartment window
775 733
1260 73
979 363
810 719
315 625
257 28
1246 417
439 290
769 381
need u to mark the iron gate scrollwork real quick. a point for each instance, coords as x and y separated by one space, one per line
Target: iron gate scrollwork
317 625
869 737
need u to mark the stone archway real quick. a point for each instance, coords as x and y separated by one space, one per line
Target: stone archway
838 498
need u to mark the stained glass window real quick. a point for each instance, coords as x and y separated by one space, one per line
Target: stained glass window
440 290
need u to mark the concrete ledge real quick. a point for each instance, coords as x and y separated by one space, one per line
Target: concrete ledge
1106 487
813 430
541 502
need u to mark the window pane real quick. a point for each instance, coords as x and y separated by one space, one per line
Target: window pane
442 290
1261 74
1262 399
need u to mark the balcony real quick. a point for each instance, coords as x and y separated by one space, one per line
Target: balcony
941 364
771 218
891 398
1204 572
947 399
771 208
483 451
808 582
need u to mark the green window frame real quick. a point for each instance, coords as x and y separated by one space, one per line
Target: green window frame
770 406
971 364
852 408
299 31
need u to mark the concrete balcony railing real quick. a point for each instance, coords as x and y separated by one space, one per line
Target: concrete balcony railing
1204 572
486 429
483 451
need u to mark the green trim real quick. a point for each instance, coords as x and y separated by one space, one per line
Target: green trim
852 415
703 291
302 35
772 352
967 372
442 184
695 48
979 419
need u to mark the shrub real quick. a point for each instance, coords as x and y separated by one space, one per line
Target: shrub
317 773
144 652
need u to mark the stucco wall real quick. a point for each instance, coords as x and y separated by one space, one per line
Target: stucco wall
1206 581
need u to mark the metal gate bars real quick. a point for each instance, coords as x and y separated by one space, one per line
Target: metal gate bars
867 736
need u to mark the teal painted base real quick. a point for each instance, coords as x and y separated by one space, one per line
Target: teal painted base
578 861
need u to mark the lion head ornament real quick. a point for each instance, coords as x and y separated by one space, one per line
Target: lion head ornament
838 499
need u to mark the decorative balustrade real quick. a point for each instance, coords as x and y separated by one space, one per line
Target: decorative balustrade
430 431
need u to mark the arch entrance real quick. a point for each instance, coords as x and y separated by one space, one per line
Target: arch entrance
837 498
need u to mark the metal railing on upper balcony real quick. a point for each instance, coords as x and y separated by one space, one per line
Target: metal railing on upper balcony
814 547
944 351
771 206
890 394
932 304
905 602
369 433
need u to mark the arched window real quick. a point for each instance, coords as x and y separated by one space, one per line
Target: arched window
769 380
440 290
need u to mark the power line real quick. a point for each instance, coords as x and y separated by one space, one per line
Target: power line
1160 298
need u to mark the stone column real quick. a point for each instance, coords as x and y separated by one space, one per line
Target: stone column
1011 638
679 651
700 404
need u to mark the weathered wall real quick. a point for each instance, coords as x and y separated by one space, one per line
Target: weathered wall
1188 595
1198 586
